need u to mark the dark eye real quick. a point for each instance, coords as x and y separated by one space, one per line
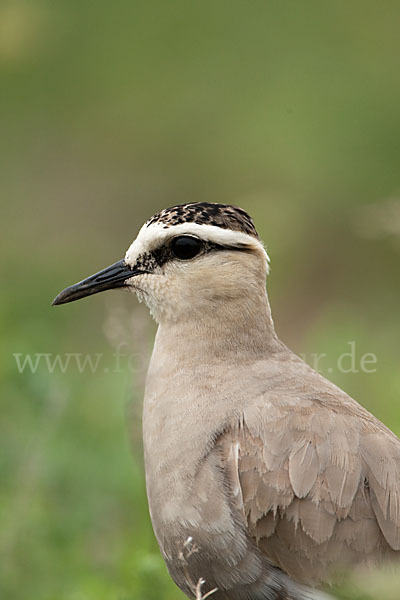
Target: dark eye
185 247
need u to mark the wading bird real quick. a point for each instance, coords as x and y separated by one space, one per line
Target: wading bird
263 478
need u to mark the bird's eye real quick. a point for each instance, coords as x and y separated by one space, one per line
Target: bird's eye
185 247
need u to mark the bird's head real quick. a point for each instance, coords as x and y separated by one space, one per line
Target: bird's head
186 260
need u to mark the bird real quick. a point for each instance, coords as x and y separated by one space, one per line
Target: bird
265 481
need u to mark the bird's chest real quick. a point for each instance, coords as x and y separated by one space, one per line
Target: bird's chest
184 478
174 448
190 505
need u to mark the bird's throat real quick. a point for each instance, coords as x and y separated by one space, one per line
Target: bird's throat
243 330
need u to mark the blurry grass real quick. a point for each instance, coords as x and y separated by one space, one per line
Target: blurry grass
73 495
111 112
75 521
370 585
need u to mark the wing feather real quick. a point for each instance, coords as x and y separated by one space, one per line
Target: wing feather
320 489
303 468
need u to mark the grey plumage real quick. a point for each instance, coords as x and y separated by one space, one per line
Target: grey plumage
278 479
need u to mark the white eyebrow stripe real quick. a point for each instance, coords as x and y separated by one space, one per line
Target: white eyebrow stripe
154 235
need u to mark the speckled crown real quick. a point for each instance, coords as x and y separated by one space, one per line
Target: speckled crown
206 213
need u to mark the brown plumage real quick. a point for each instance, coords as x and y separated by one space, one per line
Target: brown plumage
319 480
263 478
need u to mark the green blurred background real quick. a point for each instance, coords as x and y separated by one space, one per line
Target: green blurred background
111 111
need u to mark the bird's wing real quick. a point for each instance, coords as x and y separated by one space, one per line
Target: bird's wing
319 488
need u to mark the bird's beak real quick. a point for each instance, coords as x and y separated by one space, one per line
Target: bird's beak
112 277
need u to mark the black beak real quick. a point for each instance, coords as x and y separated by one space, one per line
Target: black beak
112 277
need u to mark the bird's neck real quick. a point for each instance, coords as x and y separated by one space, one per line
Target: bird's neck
240 328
